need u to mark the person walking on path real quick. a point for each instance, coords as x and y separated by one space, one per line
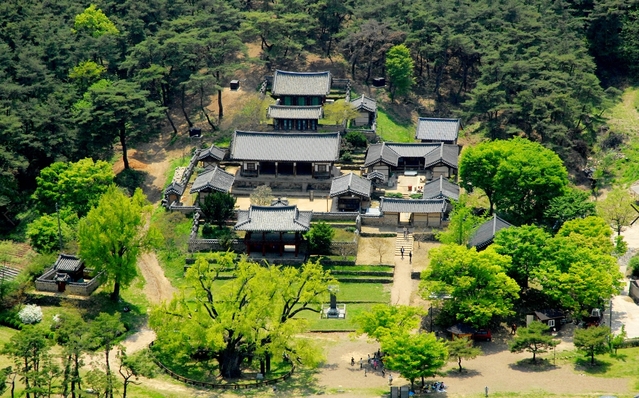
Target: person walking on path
352 361
390 379
360 363
402 252
410 257
405 232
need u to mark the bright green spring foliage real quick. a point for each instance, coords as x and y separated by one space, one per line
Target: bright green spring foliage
399 66
93 21
534 339
251 316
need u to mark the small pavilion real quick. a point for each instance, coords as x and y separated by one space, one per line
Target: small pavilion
212 180
269 229
211 156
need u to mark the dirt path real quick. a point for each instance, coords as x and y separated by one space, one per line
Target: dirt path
157 288
402 284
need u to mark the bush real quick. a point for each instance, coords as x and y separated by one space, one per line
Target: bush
130 179
208 231
393 195
30 314
349 229
633 266
621 247
356 138
347 157
320 238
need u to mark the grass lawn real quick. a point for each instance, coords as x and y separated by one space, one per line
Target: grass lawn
382 268
342 235
624 364
352 310
393 130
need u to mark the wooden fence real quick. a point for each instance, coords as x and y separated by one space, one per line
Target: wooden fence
225 386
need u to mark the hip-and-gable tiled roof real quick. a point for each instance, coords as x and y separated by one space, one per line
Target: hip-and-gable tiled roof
301 83
441 188
273 219
390 153
486 232
285 147
212 152
294 112
67 263
436 129
350 183
364 103
214 179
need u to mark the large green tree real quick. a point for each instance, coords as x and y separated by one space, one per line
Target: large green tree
463 223
112 236
399 66
526 247
520 177
414 355
254 315
120 111
74 185
383 320
103 334
29 350
479 289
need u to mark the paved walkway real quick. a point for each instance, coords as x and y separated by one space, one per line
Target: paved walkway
402 283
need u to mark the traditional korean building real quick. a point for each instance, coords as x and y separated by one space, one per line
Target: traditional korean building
418 212
486 232
299 118
270 229
173 192
285 154
211 156
68 274
367 111
301 88
441 188
433 160
212 180
436 130
351 190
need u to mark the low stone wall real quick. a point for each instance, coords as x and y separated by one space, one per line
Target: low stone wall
379 220
344 248
335 216
214 245
45 284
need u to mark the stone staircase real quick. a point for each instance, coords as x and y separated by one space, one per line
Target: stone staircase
400 242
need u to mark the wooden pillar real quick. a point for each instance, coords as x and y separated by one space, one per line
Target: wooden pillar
294 169
297 243
281 245
247 242
263 243
313 170
275 169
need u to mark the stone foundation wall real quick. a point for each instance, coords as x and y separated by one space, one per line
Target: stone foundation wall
344 248
214 245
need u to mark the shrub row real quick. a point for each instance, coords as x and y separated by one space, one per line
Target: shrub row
10 320
363 273
377 235
365 280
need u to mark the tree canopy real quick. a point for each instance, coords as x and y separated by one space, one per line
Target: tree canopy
477 283
251 316
520 177
112 236
534 339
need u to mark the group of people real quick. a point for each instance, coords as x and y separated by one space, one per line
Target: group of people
375 363
410 253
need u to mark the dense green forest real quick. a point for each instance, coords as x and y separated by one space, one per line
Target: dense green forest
77 78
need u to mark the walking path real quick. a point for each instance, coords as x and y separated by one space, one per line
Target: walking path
402 283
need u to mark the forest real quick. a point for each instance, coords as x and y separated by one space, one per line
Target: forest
78 77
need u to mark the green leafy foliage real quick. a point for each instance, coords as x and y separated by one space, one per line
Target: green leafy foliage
463 223
633 265
526 247
112 236
77 186
320 237
383 320
217 207
356 139
414 355
534 339
251 316
592 341
43 234
616 208
399 66
462 348
481 290
94 22
520 178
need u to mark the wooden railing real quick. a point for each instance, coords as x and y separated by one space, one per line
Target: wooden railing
225 386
